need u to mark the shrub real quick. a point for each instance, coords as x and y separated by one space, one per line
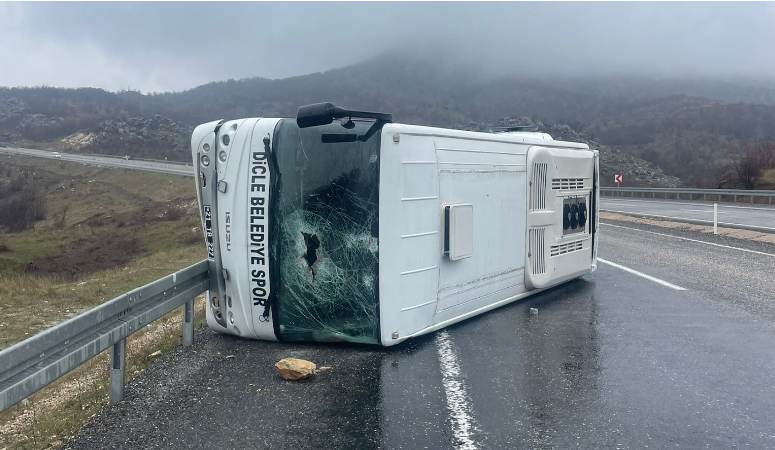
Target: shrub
20 211
174 213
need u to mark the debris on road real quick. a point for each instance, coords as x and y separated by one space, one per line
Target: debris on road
295 369
156 353
533 311
229 356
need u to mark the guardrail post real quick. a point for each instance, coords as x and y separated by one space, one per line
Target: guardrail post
188 323
117 370
715 218
734 199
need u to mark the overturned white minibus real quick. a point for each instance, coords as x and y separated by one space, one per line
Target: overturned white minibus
340 225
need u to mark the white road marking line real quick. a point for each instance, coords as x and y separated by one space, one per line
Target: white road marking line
765 208
705 211
641 274
459 410
668 211
691 240
686 218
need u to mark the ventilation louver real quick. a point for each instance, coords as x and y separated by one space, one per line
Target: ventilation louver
567 183
566 248
538 186
536 243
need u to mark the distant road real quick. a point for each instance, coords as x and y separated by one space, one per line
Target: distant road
107 161
731 215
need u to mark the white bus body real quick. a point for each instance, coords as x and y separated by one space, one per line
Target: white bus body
377 239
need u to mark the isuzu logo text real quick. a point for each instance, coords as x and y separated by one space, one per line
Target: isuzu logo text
228 231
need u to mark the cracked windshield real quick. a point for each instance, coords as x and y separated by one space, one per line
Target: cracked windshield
327 216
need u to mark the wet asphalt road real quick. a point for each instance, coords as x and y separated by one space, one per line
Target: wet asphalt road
611 361
734 214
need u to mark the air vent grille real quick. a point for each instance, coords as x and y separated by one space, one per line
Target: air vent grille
568 247
538 186
536 243
567 183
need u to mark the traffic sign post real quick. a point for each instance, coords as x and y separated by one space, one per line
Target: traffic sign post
618 179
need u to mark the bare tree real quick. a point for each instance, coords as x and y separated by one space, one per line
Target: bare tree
747 169
765 154
20 211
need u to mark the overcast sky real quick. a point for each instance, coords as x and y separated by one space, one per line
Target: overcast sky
177 46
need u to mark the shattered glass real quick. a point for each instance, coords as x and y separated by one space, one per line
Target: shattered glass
327 221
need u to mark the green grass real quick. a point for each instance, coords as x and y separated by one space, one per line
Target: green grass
30 303
98 203
129 204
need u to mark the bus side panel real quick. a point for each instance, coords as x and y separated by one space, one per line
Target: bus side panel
235 187
234 184
409 246
491 177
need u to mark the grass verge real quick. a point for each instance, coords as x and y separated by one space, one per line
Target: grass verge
106 231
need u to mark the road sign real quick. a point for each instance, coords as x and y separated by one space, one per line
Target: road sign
618 178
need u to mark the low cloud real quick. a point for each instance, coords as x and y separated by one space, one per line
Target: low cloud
176 46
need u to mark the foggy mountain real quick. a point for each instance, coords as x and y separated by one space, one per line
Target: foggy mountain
690 128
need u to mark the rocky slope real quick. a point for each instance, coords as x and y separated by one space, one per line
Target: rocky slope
636 171
156 137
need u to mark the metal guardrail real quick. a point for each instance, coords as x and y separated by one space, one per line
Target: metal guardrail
33 364
718 195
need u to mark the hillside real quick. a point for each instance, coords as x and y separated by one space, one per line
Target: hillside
636 171
156 137
691 128
693 138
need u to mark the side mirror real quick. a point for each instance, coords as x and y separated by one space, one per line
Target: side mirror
315 115
324 113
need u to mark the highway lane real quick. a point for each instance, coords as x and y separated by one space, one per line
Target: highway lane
729 214
106 161
613 360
